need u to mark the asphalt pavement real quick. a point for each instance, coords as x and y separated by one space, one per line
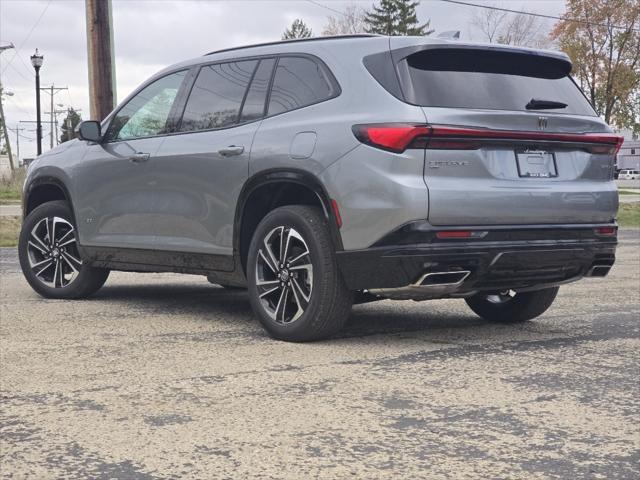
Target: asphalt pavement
167 376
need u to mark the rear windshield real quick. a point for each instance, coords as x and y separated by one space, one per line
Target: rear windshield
463 78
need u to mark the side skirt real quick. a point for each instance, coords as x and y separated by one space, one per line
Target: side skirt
221 267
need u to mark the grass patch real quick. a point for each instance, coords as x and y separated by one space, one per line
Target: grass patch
629 215
627 192
11 188
9 231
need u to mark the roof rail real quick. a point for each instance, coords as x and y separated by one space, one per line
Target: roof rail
296 40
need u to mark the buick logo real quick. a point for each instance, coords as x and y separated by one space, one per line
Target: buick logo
542 123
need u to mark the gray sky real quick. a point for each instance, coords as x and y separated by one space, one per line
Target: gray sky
151 34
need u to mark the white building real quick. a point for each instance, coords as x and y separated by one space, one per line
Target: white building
629 154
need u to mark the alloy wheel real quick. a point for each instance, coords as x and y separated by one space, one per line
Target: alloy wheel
284 275
53 252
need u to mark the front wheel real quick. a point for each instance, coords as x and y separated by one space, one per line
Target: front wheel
49 256
512 307
295 286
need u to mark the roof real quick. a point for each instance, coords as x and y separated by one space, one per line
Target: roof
296 40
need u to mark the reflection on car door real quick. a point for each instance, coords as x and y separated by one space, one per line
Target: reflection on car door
200 172
115 188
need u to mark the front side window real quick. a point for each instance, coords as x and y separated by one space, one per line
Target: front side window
298 82
146 114
216 96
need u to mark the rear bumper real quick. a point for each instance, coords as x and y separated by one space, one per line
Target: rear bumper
504 258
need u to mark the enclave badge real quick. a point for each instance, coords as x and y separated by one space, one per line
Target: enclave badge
542 123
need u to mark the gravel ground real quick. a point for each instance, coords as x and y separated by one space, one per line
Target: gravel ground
166 376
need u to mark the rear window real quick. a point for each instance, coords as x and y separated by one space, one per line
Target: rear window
477 79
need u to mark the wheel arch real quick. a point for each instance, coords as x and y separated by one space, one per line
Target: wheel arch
45 189
275 188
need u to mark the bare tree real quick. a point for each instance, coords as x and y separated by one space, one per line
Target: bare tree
351 22
496 26
489 23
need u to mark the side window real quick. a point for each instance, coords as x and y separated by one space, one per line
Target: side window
253 107
216 96
146 114
298 82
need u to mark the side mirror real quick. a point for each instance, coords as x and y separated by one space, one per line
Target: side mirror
89 130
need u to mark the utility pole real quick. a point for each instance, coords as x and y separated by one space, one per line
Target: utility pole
102 89
52 91
18 130
4 119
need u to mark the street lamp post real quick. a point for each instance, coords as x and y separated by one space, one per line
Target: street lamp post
36 61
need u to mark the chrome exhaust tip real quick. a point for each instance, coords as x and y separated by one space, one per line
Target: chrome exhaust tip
442 279
599 271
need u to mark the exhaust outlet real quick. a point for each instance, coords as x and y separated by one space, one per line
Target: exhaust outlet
442 279
599 271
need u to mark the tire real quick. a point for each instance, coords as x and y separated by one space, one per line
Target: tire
317 301
56 271
512 307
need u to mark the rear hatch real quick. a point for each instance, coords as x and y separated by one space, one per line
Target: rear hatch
512 138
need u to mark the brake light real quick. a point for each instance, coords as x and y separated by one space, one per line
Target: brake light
448 234
605 231
397 137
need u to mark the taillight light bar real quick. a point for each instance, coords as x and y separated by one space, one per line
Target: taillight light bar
605 231
397 137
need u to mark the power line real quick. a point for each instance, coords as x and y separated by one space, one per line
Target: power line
553 17
28 35
313 2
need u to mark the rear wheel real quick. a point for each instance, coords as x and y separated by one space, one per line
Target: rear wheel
512 307
295 286
49 256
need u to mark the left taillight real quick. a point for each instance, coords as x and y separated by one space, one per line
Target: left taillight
394 137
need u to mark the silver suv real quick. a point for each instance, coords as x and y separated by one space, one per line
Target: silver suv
322 172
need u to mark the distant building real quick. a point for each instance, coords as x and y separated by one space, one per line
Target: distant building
629 154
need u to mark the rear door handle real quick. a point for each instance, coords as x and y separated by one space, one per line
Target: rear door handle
139 157
231 150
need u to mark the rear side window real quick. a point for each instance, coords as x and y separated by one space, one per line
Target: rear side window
298 82
216 97
254 104
477 79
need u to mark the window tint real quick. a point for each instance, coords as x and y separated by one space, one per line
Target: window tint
298 82
146 114
216 97
490 80
254 103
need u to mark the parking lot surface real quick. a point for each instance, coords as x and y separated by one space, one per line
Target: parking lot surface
167 376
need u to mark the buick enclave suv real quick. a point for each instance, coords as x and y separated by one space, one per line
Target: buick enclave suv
322 172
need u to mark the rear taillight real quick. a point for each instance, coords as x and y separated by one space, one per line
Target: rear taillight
397 137
605 231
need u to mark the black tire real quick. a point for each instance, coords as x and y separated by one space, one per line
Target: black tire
518 308
85 282
329 300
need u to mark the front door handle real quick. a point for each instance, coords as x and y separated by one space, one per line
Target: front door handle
231 150
139 157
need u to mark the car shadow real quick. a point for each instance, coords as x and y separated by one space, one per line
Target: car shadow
215 304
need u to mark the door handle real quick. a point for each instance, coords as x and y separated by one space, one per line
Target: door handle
139 157
231 150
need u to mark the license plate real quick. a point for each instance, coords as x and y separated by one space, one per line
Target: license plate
536 164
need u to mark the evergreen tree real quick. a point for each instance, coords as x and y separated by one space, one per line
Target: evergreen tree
69 125
298 29
396 17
